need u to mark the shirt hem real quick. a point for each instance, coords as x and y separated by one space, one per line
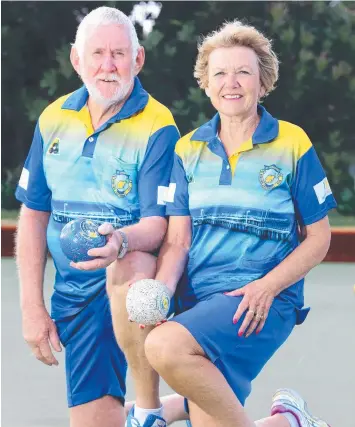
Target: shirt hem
85 397
153 212
29 204
178 212
319 215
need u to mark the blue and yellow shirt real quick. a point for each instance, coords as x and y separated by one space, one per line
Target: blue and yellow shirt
118 173
246 209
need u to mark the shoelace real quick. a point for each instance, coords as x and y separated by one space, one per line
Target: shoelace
135 422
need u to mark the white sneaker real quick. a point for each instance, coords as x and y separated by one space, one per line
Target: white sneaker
151 421
287 400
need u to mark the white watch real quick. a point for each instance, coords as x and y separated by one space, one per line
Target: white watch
124 246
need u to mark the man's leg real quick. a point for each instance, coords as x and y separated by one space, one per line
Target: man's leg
181 361
95 366
173 408
134 266
104 412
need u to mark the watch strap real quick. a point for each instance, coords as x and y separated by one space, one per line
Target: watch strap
124 246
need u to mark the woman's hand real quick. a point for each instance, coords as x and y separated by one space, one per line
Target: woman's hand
257 300
141 326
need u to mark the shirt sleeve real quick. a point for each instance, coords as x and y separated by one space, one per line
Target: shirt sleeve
32 189
154 175
310 189
177 200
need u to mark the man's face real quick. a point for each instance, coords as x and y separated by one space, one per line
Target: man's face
107 66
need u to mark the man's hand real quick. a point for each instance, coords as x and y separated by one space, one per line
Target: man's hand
39 331
103 256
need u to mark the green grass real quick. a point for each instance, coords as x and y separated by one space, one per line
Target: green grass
9 214
336 220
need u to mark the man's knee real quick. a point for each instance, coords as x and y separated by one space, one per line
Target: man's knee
133 267
107 411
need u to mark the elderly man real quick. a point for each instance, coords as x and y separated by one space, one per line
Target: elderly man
102 152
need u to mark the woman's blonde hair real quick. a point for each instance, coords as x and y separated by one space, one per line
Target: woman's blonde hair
233 34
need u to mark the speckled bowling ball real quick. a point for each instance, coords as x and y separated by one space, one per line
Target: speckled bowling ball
147 302
78 236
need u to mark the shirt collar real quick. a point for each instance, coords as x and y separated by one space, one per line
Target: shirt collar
267 130
137 100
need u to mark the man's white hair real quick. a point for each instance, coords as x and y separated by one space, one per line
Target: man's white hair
104 16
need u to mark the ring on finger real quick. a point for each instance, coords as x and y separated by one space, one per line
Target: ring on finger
251 312
259 316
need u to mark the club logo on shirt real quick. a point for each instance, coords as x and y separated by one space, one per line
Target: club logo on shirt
270 177
121 183
54 147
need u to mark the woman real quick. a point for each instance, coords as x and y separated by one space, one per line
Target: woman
245 187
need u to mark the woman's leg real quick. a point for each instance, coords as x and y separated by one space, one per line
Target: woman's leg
199 418
179 359
201 356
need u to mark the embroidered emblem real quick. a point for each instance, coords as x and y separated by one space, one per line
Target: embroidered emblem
270 177
121 183
54 147
164 303
88 230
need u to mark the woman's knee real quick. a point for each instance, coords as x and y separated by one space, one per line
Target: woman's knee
168 345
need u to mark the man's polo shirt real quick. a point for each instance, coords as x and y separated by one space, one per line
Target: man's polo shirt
246 209
118 173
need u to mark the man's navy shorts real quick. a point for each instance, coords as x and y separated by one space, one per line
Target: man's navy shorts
95 365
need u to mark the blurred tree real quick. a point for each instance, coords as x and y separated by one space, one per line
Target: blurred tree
314 40
36 39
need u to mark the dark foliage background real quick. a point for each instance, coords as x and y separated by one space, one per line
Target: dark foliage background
314 40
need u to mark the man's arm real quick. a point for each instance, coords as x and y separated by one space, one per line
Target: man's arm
145 236
31 255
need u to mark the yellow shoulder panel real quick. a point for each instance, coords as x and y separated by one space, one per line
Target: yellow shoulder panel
53 112
296 136
158 115
185 147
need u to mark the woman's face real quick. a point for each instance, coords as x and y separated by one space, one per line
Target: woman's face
234 80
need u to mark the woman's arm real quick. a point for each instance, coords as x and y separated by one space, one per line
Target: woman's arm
174 252
307 255
259 294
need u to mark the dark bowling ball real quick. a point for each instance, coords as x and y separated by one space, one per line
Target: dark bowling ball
78 236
